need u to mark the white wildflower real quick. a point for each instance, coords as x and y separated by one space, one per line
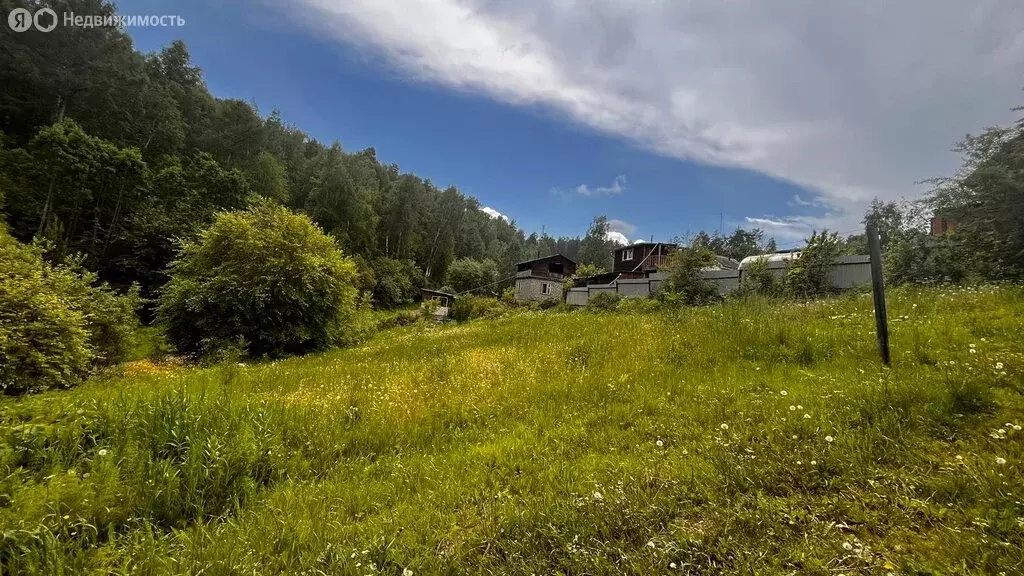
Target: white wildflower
406 572
102 452
814 462
659 443
784 393
847 546
807 416
1000 460
959 458
598 496
828 439
973 351
999 365
724 426
799 407
792 408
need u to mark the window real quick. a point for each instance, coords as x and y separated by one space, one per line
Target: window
627 254
545 288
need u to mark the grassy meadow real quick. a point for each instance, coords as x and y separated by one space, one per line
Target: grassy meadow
754 437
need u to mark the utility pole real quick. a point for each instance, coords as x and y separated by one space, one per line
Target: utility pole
878 290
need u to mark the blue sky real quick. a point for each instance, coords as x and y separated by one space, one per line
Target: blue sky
663 118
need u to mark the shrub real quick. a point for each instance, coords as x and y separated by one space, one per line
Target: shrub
603 301
56 325
396 282
265 276
808 276
758 279
639 305
462 309
685 284
467 308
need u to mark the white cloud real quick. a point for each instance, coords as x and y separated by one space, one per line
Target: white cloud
851 99
494 213
621 226
617 237
617 186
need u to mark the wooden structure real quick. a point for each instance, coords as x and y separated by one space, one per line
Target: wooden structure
640 259
543 278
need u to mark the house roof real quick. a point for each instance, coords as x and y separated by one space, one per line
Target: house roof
551 257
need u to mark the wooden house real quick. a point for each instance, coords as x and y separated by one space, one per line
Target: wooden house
640 259
543 278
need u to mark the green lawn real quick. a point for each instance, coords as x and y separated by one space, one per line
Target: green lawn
753 437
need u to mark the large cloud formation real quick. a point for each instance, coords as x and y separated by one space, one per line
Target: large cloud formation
851 99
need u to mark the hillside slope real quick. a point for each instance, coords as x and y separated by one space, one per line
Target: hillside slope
754 437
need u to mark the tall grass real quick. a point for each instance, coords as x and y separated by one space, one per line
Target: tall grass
755 437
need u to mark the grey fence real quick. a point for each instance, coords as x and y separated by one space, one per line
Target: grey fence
847 272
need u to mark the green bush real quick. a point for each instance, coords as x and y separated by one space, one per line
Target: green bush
685 284
758 279
639 305
265 276
808 275
603 301
467 308
56 324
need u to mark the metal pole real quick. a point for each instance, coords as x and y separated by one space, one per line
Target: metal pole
878 289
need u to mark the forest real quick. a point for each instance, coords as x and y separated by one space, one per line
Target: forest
118 156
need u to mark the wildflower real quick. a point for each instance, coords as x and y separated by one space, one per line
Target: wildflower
672 565
598 496
1016 427
807 416
650 544
814 462
828 439
1001 431
973 351
799 407
959 458
406 572
972 345
999 365
724 426
792 408
1000 460
798 462
794 437
784 393
847 546
102 452
659 443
